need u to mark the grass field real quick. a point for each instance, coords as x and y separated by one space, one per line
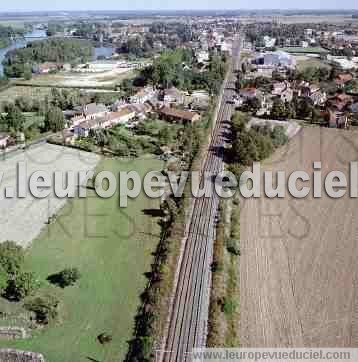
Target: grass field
10 94
112 248
308 50
304 62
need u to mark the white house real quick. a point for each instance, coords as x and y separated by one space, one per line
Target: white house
202 56
4 138
123 116
89 112
269 42
173 95
143 95
279 58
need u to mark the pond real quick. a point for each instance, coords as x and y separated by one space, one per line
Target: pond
21 43
36 35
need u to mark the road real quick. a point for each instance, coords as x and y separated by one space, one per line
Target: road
189 314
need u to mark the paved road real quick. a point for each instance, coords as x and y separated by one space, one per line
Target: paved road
188 320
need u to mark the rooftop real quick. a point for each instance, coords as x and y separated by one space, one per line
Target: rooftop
178 113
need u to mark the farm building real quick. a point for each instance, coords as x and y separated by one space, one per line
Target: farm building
178 115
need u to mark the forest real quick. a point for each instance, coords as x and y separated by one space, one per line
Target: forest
6 32
19 61
177 68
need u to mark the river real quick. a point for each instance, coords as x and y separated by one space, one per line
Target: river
36 35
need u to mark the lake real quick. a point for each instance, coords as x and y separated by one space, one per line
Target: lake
21 43
36 35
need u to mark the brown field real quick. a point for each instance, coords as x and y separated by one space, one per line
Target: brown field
297 19
298 269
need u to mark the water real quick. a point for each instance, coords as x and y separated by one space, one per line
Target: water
36 35
102 51
21 43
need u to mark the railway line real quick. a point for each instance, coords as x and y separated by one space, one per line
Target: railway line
189 314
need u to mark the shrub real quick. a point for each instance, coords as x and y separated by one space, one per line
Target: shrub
11 257
45 308
216 266
22 285
104 338
228 306
233 247
3 279
65 278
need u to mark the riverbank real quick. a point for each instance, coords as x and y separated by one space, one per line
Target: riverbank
38 35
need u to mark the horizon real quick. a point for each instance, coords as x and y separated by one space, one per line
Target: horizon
330 9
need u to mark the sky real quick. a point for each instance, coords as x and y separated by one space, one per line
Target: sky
40 5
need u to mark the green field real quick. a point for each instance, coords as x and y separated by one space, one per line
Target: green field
11 93
112 248
303 64
308 50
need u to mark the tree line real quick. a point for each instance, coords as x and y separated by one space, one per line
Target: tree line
254 143
178 68
20 62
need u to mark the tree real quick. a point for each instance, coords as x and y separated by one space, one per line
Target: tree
54 120
305 108
278 136
11 257
164 135
45 308
252 105
66 277
3 279
278 110
27 72
264 147
15 119
22 285
24 103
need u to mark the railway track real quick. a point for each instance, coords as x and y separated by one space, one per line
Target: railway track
189 315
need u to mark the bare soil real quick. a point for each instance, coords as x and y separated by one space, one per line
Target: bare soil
298 269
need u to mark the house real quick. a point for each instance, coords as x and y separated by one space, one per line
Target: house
276 59
88 112
178 115
318 98
143 95
339 102
173 95
45 68
283 90
304 44
110 119
199 99
248 93
354 108
117 105
123 116
343 78
269 42
202 56
4 139
140 110
83 129
337 119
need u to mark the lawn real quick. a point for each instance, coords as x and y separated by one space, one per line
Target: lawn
308 50
112 248
306 62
